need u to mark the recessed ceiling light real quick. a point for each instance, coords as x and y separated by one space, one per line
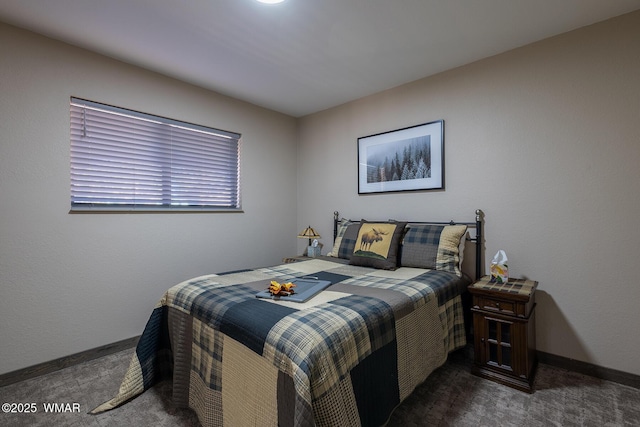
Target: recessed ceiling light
270 1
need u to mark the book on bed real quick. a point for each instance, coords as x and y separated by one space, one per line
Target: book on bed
305 289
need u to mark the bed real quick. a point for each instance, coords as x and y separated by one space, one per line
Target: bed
346 357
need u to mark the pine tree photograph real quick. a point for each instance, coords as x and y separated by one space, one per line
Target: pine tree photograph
406 159
403 160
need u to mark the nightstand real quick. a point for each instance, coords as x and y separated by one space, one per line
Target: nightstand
289 260
504 331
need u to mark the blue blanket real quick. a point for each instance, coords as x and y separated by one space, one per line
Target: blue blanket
348 356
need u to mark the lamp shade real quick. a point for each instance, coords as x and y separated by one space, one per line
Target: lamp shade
308 233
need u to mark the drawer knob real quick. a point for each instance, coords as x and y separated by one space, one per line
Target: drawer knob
498 304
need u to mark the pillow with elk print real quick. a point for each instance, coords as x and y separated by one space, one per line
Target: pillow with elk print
377 244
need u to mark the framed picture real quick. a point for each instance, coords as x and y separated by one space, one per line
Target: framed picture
409 159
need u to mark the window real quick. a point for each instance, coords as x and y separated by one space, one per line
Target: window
126 160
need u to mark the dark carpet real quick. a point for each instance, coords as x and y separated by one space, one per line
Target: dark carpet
451 396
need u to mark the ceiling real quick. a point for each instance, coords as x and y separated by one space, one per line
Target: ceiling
302 56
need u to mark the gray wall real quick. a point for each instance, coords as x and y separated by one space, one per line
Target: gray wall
545 140
71 282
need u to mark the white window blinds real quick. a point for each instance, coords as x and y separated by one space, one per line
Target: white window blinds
126 160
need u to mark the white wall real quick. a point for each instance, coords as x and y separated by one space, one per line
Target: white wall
71 282
545 140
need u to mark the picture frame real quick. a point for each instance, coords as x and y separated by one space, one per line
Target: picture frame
408 159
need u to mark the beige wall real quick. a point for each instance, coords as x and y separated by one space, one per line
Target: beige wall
545 140
74 282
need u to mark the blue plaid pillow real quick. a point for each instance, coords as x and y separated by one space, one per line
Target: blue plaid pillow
345 239
348 242
435 247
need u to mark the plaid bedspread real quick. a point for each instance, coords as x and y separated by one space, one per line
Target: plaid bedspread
346 357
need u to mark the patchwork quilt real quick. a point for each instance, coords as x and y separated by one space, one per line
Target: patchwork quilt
346 357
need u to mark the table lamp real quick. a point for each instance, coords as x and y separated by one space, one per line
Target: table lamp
312 235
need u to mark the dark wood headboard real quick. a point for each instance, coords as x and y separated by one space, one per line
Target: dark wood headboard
476 239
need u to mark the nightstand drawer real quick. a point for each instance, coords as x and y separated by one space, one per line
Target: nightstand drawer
505 307
514 298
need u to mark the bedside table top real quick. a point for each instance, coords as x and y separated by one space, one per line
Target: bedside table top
289 260
520 287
